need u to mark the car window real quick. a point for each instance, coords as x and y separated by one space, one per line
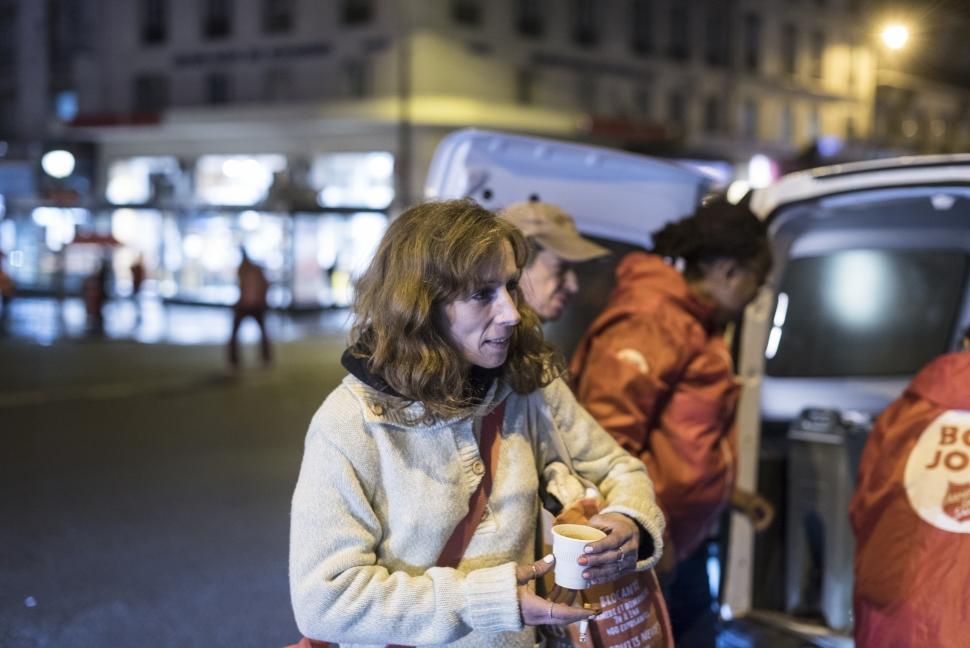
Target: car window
865 312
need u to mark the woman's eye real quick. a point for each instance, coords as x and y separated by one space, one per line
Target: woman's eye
485 294
512 286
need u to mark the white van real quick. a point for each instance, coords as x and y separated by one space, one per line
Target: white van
870 282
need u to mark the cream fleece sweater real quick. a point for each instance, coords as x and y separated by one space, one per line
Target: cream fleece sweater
376 500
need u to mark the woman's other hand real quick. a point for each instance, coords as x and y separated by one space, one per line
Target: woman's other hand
539 611
614 555
755 507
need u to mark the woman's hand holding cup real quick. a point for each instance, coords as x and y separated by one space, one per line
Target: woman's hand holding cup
607 559
539 611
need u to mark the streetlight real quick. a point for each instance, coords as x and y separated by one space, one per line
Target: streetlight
895 36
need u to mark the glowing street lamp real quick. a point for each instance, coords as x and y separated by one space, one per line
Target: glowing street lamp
895 36
57 164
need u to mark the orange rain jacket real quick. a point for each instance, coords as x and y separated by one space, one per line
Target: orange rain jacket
656 374
911 515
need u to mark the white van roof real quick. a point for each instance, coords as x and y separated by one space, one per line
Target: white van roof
611 194
919 170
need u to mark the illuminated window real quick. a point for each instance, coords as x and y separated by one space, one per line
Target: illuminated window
235 179
353 179
139 180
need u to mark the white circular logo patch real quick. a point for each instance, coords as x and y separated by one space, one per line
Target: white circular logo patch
937 477
634 357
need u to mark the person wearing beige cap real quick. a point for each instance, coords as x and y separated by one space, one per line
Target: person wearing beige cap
549 280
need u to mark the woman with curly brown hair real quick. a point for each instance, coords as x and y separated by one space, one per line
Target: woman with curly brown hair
454 403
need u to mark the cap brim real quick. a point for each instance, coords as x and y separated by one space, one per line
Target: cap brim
571 247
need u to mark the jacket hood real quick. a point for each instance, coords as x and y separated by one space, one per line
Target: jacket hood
642 277
945 381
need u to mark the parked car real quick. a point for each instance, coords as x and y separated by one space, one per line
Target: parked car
870 282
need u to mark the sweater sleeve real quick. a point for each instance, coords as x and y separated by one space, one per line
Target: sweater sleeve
596 456
341 593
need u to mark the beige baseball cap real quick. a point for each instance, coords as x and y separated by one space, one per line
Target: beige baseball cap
553 229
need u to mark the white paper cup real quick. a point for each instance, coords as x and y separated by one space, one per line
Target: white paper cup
568 542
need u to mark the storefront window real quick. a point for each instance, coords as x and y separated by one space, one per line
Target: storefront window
139 180
235 179
354 179
330 252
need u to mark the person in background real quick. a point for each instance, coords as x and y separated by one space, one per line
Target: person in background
6 295
911 515
138 274
965 341
95 292
253 288
549 279
444 355
655 371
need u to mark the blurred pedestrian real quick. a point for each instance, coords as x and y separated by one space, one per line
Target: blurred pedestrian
95 293
402 531
911 515
655 371
253 288
549 278
6 294
138 274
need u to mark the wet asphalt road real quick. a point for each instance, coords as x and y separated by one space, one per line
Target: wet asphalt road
144 489
144 492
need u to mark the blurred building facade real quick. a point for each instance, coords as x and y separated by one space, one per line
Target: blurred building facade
303 106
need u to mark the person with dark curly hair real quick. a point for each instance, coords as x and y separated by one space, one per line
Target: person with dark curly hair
655 371
454 403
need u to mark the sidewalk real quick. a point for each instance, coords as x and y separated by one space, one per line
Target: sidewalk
44 320
47 357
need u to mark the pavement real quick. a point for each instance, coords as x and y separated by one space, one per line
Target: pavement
145 485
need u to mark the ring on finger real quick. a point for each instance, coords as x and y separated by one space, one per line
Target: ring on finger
550 610
621 556
535 572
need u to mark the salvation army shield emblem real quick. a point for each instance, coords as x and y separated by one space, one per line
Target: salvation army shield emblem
956 502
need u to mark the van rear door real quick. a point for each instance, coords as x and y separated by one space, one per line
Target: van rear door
612 195
616 198
870 283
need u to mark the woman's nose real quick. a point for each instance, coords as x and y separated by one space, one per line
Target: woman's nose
508 312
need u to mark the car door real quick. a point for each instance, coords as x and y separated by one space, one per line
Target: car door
870 283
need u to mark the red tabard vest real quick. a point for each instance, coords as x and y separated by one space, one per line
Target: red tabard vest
911 516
